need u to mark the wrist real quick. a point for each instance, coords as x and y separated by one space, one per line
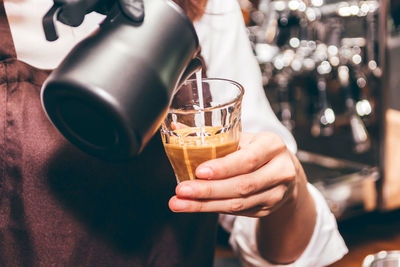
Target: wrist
283 235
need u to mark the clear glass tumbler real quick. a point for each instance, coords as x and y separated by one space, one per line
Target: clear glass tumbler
203 123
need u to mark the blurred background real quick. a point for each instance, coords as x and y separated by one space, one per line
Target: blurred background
331 71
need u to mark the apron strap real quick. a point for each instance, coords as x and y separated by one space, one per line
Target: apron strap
7 49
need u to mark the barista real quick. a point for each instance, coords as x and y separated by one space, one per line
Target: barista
62 207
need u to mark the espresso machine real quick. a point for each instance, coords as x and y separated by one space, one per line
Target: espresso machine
323 73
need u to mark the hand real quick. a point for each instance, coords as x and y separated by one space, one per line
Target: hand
73 12
254 181
262 179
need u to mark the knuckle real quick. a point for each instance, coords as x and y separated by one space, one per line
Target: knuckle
273 141
251 161
291 173
278 142
236 205
274 197
244 188
265 139
274 138
208 190
199 207
263 213
264 208
279 194
288 172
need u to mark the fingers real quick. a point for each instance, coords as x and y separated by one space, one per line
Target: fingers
72 13
279 170
253 181
256 205
253 154
178 125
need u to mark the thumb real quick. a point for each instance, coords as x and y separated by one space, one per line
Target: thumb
73 12
73 19
134 9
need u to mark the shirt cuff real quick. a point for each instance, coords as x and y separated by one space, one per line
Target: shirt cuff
325 247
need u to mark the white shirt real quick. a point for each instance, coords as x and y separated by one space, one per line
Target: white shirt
227 52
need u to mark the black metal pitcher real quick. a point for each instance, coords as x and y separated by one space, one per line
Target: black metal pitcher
111 92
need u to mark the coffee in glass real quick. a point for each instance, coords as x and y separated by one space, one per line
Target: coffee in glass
203 123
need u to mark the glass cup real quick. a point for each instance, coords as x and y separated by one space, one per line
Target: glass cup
390 258
203 123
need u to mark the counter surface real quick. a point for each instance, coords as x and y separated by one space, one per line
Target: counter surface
369 234
365 234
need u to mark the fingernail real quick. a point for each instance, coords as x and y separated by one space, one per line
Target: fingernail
185 190
205 172
180 205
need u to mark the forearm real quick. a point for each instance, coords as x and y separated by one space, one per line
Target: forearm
283 235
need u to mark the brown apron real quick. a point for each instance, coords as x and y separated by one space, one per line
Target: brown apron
61 207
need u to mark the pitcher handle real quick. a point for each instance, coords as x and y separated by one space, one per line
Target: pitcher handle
49 21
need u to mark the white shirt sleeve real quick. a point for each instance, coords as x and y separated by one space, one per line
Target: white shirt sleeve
325 247
227 53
